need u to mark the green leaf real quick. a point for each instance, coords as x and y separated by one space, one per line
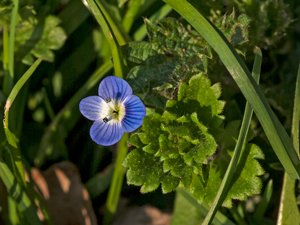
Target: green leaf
178 142
185 212
16 191
11 138
235 30
53 38
146 171
274 130
174 53
289 212
246 180
186 199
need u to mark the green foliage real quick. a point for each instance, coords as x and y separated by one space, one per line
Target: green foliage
53 38
180 146
271 20
235 30
246 180
175 53
35 36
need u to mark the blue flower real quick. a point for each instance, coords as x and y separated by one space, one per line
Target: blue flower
115 111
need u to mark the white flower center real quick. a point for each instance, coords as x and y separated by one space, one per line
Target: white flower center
113 111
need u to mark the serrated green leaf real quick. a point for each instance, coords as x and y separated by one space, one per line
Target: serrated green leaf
144 170
173 55
234 30
148 173
179 169
246 180
135 141
180 140
151 126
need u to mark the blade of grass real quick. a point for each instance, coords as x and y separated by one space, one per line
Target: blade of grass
220 218
160 13
11 46
49 108
117 181
12 140
288 209
263 204
100 182
133 8
226 182
296 114
17 88
16 191
7 77
12 211
236 215
96 9
108 23
276 134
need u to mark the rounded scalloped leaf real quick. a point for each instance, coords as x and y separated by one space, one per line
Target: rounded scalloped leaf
151 128
200 89
247 182
144 170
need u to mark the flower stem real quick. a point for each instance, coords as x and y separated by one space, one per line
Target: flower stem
117 181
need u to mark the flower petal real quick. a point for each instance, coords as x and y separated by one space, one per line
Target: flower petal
106 133
134 113
114 88
91 107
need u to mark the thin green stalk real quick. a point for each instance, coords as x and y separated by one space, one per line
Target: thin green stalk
15 152
109 36
7 77
120 34
288 209
49 108
263 204
18 194
160 13
276 134
237 216
117 181
133 8
17 88
296 114
226 182
220 219
12 211
11 45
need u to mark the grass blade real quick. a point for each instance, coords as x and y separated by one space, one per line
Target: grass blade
159 14
288 209
7 77
133 8
226 183
263 204
96 8
16 192
220 219
12 140
276 134
117 181
11 46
